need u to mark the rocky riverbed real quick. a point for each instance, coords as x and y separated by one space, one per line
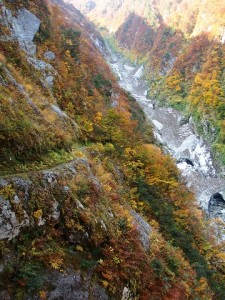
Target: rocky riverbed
178 137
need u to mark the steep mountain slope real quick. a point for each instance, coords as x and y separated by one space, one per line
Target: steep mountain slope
191 17
182 45
90 208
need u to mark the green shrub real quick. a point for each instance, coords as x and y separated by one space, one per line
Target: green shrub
30 275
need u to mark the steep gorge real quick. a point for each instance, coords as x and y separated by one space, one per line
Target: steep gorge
90 207
182 46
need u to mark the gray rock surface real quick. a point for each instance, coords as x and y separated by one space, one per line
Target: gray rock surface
59 112
47 70
223 37
186 160
49 55
22 185
14 211
55 211
9 224
168 64
126 294
183 120
143 228
39 64
70 286
99 43
74 287
23 27
209 130
50 81
216 206
3 182
50 178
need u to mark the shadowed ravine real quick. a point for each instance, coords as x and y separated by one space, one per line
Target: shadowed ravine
176 134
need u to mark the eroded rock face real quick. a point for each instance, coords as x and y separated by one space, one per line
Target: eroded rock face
73 287
126 294
168 64
10 225
23 186
216 206
183 120
23 27
186 160
100 44
47 70
68 286
143 228
15 194
59 112
49 55
223 37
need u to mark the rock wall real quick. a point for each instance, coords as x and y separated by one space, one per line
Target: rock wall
23 27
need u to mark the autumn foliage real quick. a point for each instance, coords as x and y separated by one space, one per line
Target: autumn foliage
109 170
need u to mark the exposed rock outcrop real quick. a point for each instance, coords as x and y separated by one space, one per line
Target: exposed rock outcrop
68 286
143 228
186 160
10 224
73 287
126 294
23 28
216 206
13 208
49 55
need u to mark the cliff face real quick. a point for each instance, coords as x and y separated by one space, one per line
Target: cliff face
183 44
89 207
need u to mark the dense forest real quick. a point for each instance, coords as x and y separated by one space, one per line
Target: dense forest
90 206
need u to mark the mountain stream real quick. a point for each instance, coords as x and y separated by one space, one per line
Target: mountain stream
179 139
